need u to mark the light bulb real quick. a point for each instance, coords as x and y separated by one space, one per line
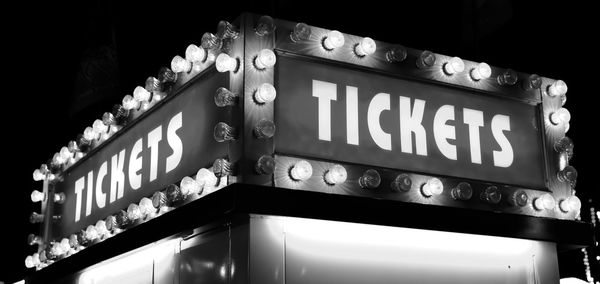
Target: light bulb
57 160
333 40
189 186
265 59
133 212
532 82
454 65
265 93
225 63
179 64
462 191
402 183
211 42
433 186
426 59
301 32
38 175
569 175
159 199
227 30
91 233
29 262
336 174
130 103
571 203
37 196
64 245
508 78
122 220
366 46
99 127
225 97
544 202
481 72
301 170
89 134
491 195
565 145
194 54
101 228
56 249
120 113
34 240
370 179
166 77
65 154
174 195
518 198
396 54
561 116
146 207
206 178
222 167
265 165
36 218
141 94
558 88
264 26
224 132
264 129
151 85
73 241
36 259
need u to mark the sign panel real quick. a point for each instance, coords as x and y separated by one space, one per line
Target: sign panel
329 112
173 141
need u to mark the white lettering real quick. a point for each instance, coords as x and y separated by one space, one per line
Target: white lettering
174 142
153 138
411 123
135 165
442 132
100 195
89 191
79 186
378 104
503 158
474 118
117 176
352 115
325 92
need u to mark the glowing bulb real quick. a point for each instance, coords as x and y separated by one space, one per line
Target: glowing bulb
38 175
147 207
532 82
265 165
189 186
64 245
36 259
462 191
565 145
73 241
396 54
34 240
366 46
133 212
264 129
571 203
508 78
518 198
433 186
402 183
91 233
544 202
194 54
211 42
264 26
336 174
333 40
166 76
99 127
29 262
491 195
36 218
206 179
301 170
179 64
56 249
569 175
141 94
101 228
224 132
370 179
227 30
151 85
225 97
561 116
301 32
225 63
265 59
558 88
426 59
174 195
89 134
159 199
454 65
65 154
130 103
481 71
265 93
37 196
222 167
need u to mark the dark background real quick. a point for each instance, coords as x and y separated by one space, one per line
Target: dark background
69 63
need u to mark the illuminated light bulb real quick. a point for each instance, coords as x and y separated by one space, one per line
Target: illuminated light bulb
402 183
91 233
563 99
226 29
59 197
152 84
558 88
89 134
64 245
99 127
565 145
396 54
481 72
73 241
38 175
174 195
265 165
491 195
561 116
134 213
206 178
366 46
57 160
454 65
140 94
34 240
194 54
36 218
36 259
122 220
462 191
189 186
265 59
179 64
370 179
56 250
265 26
159 199
43 257
571 203
29 262
301 170
224 132
301 32
130 103
333 40
544 202
532 82
433 186
108 119
336 174
508 78
222 167
166 76
569 175
265 93
211 42
102 229
567 127
518 198
264 129
65 154
37 196
147 207
426 59
111 223
120 114
225 63
225 97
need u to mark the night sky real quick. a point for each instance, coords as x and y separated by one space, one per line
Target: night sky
68 64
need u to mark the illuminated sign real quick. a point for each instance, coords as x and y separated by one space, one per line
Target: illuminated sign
158 150
335 113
